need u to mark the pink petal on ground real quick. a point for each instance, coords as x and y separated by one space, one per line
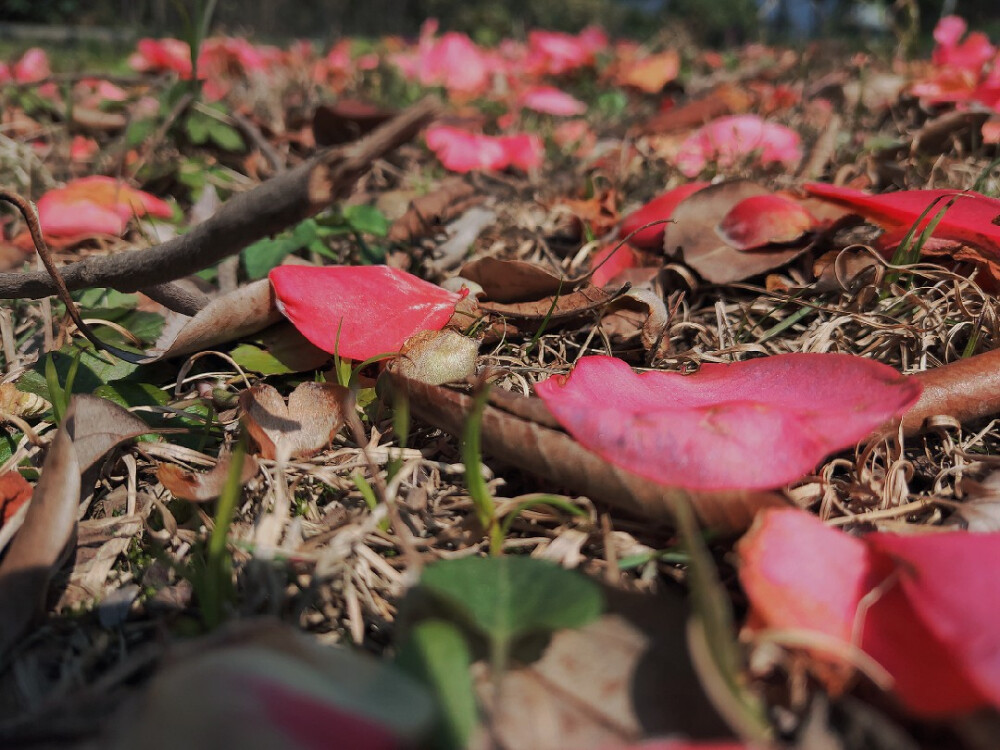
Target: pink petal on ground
949 30
729 140
799 573
372 309
552 101
950 579
750 425
764 220
658 209
462 151
970 219
524 150
610 261
77 218
32 67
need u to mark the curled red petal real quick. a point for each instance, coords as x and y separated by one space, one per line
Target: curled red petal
764 220
657 210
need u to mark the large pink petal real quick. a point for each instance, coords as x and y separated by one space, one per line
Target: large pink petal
372 309
729 140
951 581
801 574
749 425
77 218
764 219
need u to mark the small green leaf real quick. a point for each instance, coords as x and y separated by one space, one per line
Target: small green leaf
255 359
196 127
366 219
438 655
225 136
138 132
505 599
263 255
127 394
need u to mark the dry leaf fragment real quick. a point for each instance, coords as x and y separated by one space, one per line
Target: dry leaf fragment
14 492
20 404
508 281
202 486
437 357
91 427
428 213
314 414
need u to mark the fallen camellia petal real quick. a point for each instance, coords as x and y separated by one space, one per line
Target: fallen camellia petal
462 151
95 205
360 311
639 227
949 580
764 220
971 218
552 101
801 574
728 140
610 261
750 425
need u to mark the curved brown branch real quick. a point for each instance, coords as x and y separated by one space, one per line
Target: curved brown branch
271 207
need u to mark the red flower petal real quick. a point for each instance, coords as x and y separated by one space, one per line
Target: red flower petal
800 573
374 309
86 206
750 425
764 220
658 209
552 101
970 219
610 261
950 579
728 140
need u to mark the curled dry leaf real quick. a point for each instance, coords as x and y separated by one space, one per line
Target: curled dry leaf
242 312
517 432
554 309
762 220
639 313
20 404
509 281
437 357
641 228
314 414
925 604
360 312
693 231
91 427
429 213
202 486
756 424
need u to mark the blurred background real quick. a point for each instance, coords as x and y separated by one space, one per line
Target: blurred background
710 22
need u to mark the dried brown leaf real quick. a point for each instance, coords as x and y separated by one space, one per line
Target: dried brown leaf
20 404
202 486
92 427
509 281
428 213
566 307
314 414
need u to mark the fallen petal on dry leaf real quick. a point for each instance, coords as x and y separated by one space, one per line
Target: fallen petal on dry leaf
756 424
693 231
360 312
314 414
764 220
639 228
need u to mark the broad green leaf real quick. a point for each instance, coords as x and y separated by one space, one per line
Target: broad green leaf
438 655
138 132
255 359
507 598
366 219
196 127
225 136
263 255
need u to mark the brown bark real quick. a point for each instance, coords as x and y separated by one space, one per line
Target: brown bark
966 390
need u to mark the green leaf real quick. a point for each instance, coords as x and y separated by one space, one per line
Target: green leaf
263 255
438 655
225 136
197 128
127 394
505 599
255 359
366 219
138 132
